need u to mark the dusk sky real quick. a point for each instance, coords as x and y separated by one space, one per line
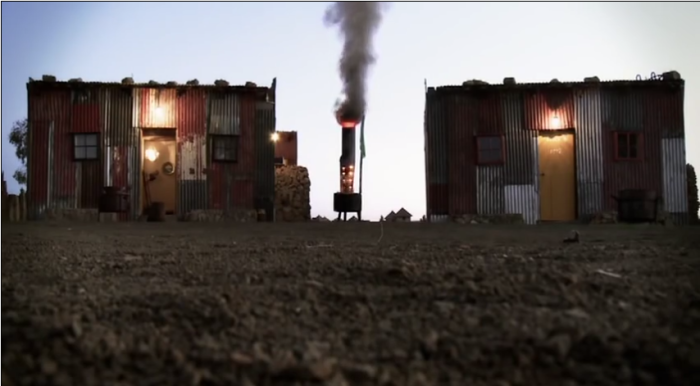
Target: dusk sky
445 43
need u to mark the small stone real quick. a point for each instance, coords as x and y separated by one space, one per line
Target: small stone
241 359
48 366
560 344
323 369
577 313
358 373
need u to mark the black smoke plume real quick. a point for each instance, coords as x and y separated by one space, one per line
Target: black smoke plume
357 22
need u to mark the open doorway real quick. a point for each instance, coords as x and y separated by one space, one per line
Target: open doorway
159 161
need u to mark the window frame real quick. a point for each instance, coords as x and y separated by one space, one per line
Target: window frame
74 146
477 153
616 146
215 138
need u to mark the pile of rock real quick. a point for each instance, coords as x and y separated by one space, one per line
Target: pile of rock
693 201
219 215
292 189
493 219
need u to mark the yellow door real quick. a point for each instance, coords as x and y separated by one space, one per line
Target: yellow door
557 176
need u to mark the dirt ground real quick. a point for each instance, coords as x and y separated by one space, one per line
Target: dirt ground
349 304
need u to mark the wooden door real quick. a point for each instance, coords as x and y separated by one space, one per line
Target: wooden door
557 169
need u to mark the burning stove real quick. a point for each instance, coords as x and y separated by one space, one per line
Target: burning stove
347 200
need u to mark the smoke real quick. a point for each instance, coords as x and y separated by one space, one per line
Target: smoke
357 22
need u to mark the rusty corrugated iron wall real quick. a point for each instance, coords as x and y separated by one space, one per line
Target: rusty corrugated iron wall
121 144
669 117
157 108
675 189
549 108
520 170
118 113
489 184
594 110
192 151
265 157
635 174
85 118
435 127
462 116
589 151
231 184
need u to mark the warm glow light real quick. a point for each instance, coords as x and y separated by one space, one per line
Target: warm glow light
151 154
555 121
275 137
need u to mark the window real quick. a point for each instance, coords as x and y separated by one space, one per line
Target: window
85 147
225 148
628 146
489 150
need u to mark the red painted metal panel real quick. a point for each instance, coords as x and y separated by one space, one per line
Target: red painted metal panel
63 186
645 174
191 135
37 167
489 117
437 199
243 197
461 120
85 118
247 160
192 151
228 182
549 109
89 183
668 106
48 105
158 108
51 170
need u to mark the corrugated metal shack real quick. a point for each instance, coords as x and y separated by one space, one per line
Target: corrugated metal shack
554 151
85 136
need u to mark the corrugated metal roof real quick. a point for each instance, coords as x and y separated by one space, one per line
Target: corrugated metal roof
469 86
268 91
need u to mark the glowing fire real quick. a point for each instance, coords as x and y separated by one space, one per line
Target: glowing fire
346 122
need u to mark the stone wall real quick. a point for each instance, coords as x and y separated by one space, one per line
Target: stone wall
292 190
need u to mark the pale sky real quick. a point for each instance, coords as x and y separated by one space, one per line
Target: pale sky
445 43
